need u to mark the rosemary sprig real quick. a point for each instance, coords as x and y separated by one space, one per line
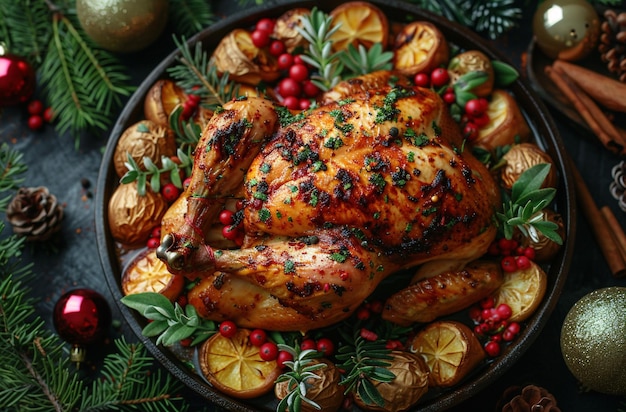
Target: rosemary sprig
153 173
364 361
362 61
317 29
300 370
170 322
524 209
196 75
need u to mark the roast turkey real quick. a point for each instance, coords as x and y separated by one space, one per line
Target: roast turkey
335 200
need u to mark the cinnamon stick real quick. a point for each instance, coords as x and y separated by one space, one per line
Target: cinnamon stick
618 233
600 227
592 115
609 92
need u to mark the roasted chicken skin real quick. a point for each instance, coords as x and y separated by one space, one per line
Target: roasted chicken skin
335 201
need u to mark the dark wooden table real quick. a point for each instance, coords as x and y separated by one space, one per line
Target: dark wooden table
73 261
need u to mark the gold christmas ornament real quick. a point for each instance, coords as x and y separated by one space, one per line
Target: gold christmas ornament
593 340
122 26
566 29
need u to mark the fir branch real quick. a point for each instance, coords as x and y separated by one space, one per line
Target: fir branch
495 17
492 18
127 380
196 75
190 16
25 28
84 85
187 132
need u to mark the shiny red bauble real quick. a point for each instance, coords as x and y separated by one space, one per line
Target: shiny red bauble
82 316
17 80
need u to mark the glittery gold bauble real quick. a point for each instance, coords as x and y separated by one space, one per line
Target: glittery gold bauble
593 340
122 26
566 29
473 61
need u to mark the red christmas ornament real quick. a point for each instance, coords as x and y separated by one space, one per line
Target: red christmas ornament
17 79
81 317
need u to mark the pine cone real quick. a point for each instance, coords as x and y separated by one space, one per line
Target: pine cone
612 46
618 185
531 398
35 213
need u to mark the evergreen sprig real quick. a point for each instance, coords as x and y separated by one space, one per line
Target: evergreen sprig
364 361
299 372
35 370
317 29
363 61
196 75
492 18
524 209
191 16
84 84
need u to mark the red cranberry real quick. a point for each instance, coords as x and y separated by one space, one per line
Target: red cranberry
260 38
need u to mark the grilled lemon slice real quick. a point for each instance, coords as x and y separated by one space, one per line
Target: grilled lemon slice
147 273
234 366
450 350
359 23
420 47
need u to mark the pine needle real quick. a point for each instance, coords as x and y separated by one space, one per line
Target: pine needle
84 85
191 16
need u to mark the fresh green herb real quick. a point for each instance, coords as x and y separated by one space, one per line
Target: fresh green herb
364 362
317 30
524 209
341 256
505 74
289 266
153 172
300 371
362 61
333 143
169 321
264 215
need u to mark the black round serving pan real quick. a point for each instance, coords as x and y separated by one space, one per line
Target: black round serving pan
536 114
